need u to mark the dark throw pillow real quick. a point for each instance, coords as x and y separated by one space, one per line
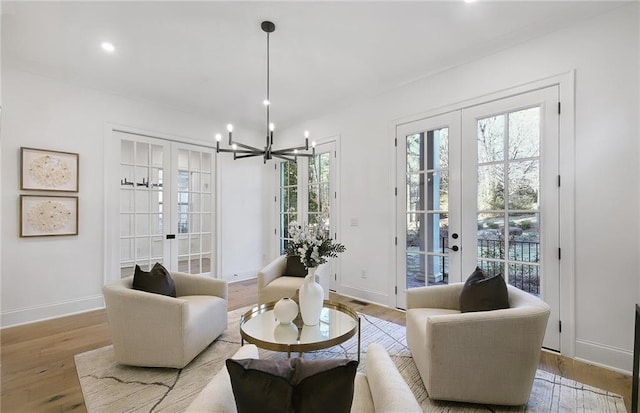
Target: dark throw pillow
324 385
482 293
262 385
292 385
157 281
295 268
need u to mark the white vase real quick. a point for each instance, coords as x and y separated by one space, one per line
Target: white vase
311 298
285 310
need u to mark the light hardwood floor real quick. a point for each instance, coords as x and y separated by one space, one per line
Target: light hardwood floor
39 373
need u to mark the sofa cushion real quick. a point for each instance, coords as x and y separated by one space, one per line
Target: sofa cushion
157 281
483 293
292 385
294 267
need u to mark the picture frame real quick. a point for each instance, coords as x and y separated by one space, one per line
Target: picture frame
47 170
48 215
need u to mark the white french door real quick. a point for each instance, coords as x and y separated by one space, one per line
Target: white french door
166 198
428 203
307 194
479 187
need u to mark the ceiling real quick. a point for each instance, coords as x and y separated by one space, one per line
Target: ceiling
209 58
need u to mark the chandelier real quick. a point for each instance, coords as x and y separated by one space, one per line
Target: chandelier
241 150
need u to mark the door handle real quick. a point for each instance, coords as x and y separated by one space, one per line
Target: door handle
454 248
171 236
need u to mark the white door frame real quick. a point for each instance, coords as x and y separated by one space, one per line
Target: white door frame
111 264
566 83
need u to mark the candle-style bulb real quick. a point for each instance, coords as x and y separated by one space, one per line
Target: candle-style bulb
266 102
230 127
313 144
218 137
272 126
234 146
306 134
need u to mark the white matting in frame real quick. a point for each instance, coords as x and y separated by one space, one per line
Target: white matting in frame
45 170
46 215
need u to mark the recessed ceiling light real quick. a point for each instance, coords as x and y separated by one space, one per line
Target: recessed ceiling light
108 47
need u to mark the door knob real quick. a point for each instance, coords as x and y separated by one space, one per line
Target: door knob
454 248
454 235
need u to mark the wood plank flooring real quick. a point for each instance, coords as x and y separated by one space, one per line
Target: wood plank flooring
39 374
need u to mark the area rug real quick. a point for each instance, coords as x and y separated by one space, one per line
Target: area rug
111 388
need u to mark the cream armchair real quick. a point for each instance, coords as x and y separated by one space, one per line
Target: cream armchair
487 357
274 285
153 330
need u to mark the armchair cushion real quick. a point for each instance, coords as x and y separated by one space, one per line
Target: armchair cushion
157 281
295 268
482 293
290 385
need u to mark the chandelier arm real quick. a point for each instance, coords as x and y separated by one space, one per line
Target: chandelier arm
241 151
294 154
299 148
251 155
249 147
284 157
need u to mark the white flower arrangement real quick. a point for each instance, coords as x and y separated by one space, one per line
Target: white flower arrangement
311 246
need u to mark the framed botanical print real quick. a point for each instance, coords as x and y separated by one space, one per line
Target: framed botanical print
47 215
45 170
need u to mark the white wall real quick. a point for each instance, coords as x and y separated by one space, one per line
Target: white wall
604 54
53 276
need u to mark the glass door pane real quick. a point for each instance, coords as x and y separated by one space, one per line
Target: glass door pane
142 218
194 216
508 186
288 208
427 225
427 203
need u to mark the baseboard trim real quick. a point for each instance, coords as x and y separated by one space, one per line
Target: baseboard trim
240 276
28 315
365 295
601 355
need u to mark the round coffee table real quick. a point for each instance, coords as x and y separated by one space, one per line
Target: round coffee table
338 323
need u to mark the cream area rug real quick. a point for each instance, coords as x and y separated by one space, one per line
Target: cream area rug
112 388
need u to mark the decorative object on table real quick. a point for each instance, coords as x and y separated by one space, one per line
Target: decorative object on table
286 333
242 150
45 170
47 215
313 249
285 310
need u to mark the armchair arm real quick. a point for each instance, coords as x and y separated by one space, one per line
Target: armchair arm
138 318
437 296
389 390
187 284
272 271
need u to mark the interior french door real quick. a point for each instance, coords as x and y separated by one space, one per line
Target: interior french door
166 200
307 194
479 187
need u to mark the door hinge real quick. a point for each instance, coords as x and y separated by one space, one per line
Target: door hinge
396 290
335 277
275 198
396 142
558 181
559 326
335 154
275 231
396 191
559 109
335 235
335 195
396 240
559 253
